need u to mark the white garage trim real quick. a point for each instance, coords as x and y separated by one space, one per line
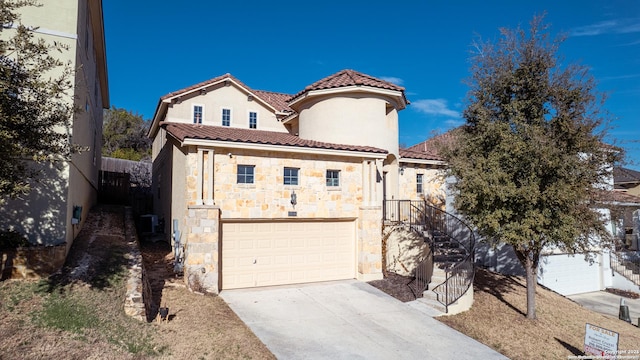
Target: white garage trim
266 253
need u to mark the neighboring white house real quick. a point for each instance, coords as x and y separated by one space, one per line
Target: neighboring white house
566 274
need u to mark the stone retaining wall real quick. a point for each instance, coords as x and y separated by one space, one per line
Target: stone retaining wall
32 262
138 301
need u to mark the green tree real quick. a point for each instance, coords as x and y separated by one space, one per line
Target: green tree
124 135
530 160
35 103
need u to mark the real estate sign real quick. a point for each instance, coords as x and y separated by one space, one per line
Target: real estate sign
601 342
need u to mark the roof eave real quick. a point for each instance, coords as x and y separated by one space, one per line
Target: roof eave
225 80
422 161
283 148
397 95
161 110
97 25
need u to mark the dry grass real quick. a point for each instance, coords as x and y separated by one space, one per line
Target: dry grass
79 314
199 327
497 319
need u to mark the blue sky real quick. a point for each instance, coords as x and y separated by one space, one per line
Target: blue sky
156 47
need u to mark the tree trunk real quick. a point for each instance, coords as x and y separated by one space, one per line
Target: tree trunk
532 281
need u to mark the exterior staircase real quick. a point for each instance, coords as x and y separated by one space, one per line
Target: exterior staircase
445 277
627 264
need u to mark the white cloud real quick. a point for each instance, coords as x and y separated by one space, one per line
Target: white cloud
434 107
608 27
454 123
393 80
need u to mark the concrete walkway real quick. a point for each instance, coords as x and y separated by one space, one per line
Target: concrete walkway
608 304
348 320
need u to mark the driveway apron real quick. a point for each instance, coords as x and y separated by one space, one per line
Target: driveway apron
348 320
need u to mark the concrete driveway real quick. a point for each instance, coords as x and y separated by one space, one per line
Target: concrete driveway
348 320
608 304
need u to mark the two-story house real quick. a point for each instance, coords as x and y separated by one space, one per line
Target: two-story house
261 188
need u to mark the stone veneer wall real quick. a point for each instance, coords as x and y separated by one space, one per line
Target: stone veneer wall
138 301
370 243
405 249
201 248
269 198
432 184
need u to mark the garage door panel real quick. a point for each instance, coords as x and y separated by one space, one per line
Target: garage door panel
569 275
263 254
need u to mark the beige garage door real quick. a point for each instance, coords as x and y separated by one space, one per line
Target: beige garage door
291 252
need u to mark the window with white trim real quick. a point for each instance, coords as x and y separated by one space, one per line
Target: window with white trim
333 177
253 120
291 176
226 117
419 183
245 174
198 114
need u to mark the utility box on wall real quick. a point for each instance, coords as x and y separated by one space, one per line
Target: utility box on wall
77 215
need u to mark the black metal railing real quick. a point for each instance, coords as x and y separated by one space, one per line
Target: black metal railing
450 240
627 263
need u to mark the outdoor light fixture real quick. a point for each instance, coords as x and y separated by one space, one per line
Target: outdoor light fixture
294 198
402 170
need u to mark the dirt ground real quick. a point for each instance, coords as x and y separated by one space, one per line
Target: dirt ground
198 326
396 286
78 312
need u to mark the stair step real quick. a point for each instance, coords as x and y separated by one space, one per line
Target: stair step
447 261
430 298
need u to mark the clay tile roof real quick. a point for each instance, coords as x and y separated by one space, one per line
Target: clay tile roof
428 148
420 155
348 78
204 83
277 100
183 131
624 176
618 196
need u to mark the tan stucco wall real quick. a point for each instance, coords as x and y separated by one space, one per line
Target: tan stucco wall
177 192
42 214
634 190
227 97
66 22
168 185
57 15
354 119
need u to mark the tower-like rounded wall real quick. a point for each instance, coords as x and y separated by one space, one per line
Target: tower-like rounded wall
353 119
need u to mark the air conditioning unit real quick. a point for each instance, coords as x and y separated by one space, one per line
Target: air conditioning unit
148 223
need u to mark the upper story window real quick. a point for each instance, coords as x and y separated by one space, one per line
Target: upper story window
253 120
226 117
291 176
419 183
198 114
333 177
245 174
